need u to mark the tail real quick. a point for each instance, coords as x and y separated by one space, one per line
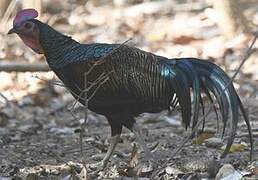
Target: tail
205 77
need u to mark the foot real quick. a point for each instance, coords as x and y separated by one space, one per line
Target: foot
148 154
99 166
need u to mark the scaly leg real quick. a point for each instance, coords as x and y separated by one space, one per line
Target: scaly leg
113 142
143 145
102 164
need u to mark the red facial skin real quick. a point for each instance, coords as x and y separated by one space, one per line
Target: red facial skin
29 33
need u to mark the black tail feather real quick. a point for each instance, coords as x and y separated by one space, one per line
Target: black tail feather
193 78
182 91
207 92
204 76
248 127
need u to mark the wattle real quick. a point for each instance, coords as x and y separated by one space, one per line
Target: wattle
32 43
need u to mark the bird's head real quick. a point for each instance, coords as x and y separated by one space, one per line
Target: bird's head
27 29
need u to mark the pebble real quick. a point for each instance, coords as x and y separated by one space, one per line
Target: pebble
213 142
228 172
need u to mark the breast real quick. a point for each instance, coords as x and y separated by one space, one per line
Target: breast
105 91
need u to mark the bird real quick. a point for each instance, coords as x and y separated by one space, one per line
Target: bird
121 81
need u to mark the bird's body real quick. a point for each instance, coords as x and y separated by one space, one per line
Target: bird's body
133 73
130 87
131 81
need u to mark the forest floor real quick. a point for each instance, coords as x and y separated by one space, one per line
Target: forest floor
43 142
39 136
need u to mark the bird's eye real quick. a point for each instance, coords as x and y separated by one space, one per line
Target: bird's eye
27 25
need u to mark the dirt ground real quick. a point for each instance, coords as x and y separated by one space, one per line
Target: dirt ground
39 135
44 143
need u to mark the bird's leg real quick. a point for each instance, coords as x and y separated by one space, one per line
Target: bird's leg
139 138
116 129
102 164
113 142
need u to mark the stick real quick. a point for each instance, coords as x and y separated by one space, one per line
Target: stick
8 66
7 14
98 82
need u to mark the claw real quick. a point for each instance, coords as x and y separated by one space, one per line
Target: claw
99 166
148 154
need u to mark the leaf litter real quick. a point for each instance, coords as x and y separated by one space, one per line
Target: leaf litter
39 136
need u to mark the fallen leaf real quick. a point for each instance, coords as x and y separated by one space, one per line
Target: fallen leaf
236 147
32 176
184 39
228 172
145 170
203 136
173 171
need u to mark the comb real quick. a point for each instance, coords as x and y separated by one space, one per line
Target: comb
24 15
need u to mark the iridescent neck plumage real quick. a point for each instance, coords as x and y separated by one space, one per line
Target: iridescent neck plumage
56 46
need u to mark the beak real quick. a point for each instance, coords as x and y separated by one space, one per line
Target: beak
11 31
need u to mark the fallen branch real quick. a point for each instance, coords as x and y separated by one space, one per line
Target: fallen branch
8 66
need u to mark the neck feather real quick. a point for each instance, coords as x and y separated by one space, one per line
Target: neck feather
57 47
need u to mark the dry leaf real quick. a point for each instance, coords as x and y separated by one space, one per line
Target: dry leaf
236 147
203 136
145 170
184 39
228 172
134 157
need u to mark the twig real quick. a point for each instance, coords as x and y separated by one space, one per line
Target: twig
99 62
57 83
84 124
247 54
7 14
98 82
102 59
5 98
99 85
255 135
